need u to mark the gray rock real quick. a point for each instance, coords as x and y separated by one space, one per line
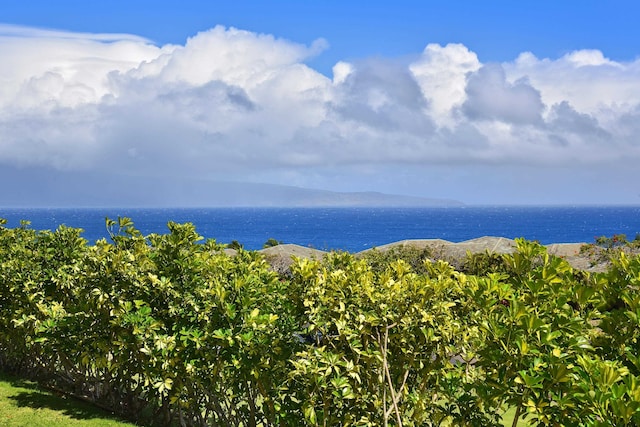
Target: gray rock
281 256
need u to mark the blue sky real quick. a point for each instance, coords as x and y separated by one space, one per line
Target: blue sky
486 102
496 30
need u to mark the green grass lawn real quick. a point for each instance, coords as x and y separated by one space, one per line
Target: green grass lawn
24 404
507 418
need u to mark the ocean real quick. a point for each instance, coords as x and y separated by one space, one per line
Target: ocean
351 229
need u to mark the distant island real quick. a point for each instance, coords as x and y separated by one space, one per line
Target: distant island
269 195
35 189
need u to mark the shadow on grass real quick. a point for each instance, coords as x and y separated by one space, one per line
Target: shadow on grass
29 394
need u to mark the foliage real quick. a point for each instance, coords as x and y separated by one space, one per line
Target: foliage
235 245
535 323
604 249
171 328
383 343
271 242
163 324
611 242
380 259
483 263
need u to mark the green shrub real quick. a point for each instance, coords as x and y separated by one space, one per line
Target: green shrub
171 327
271 242
483 263
415 256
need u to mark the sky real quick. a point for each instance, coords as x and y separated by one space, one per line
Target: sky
495 102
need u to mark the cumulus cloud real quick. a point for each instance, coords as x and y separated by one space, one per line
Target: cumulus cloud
42 69
586 79
237 104
442 74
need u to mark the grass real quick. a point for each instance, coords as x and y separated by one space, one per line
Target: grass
24 403
507 418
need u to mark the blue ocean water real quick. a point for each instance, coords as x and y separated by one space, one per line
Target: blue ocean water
352 229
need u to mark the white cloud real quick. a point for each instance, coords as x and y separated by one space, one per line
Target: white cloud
42 68
341 71
18 31
586 79
442 75
238 104
588 57
233 56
